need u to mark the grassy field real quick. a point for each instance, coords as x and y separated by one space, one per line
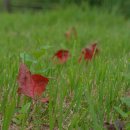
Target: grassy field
82 96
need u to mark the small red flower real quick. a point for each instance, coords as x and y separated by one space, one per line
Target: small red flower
62 55
89 52
31 85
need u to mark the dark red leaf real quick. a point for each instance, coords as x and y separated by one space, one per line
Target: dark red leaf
25 81
71 33
40 84
30 85
62 55
68 35
89 52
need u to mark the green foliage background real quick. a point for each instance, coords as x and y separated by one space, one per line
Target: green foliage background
121 6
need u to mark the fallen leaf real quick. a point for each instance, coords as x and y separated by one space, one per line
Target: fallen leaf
62 55
31 85
71 33
40 84
89 52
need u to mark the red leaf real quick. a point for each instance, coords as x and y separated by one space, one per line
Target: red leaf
40 84
71 33
68 35
62 55
30 85
89 52
25 81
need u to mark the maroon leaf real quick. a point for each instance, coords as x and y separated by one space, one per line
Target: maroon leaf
71 33
62 55
40 84
30 85
89 52
25 81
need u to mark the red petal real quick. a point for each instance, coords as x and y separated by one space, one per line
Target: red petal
62 55
25 81
40 84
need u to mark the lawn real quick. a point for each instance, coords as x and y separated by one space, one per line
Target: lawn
82 96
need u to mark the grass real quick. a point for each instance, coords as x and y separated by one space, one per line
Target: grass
82 96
